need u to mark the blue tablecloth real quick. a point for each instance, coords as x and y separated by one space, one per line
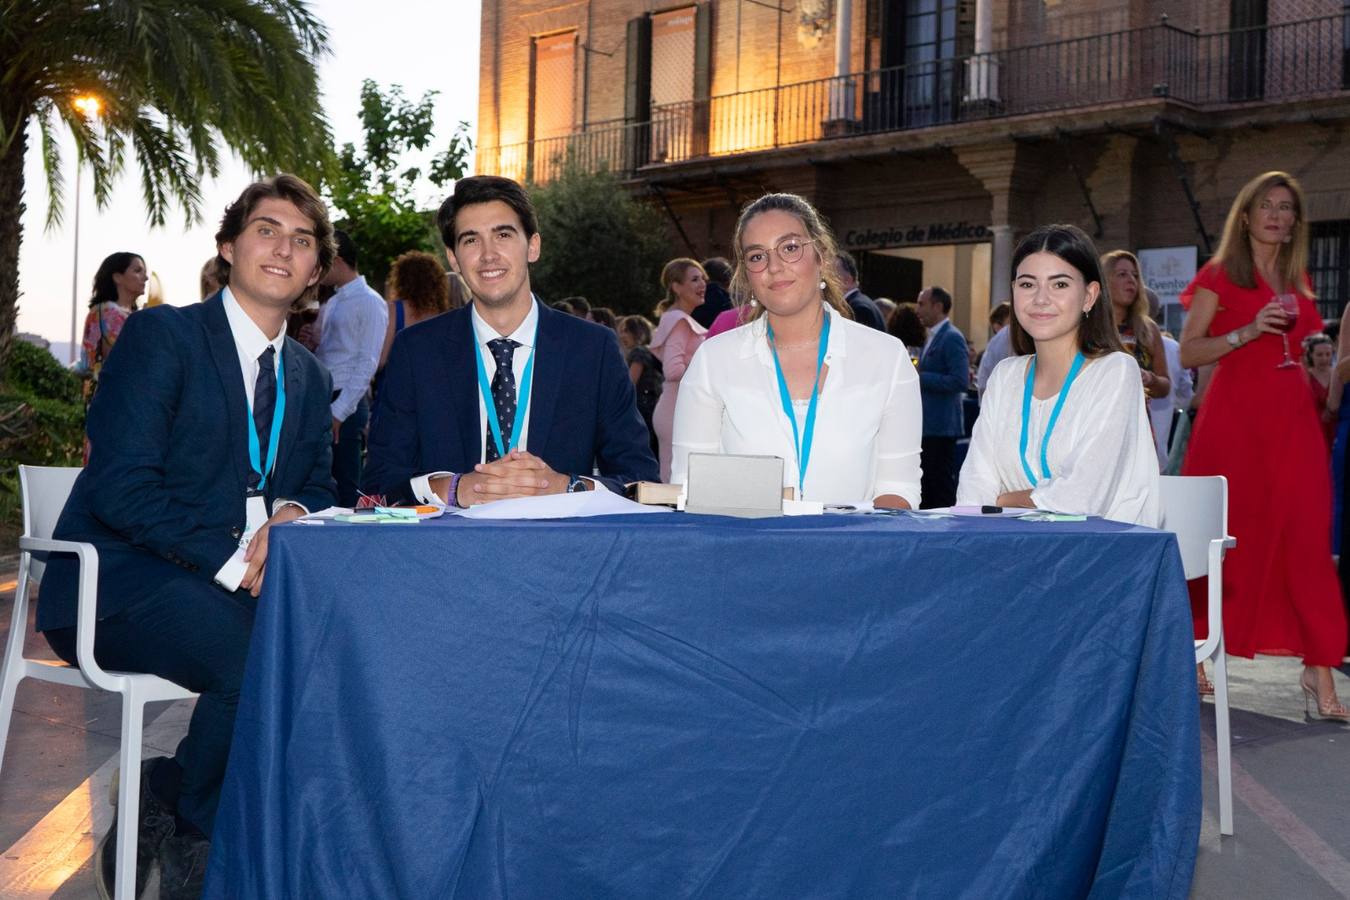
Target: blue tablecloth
684 706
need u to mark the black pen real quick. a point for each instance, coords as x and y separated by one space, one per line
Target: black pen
991 510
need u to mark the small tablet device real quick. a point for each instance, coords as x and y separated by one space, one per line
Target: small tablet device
726 484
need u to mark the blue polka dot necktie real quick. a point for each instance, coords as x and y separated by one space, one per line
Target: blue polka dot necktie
503 393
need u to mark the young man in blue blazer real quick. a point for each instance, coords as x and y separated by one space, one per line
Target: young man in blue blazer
944 375
209 427
505 397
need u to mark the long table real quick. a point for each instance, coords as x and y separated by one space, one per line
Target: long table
698 706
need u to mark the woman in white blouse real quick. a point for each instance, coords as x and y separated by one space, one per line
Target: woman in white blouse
1062 427
837 401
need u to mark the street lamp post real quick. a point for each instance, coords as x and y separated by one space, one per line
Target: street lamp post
87 105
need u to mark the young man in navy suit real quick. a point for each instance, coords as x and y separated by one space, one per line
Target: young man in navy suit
505 397
944 375
210 426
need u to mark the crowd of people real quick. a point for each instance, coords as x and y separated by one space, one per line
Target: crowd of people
213 422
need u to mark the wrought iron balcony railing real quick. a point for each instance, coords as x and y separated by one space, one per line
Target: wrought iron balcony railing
1275 63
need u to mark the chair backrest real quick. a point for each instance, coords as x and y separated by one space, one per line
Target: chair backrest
44 490
1195 508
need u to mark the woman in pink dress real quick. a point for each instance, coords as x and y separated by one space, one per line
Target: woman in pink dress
119 282
677 337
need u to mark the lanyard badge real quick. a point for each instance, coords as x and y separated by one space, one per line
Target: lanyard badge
522 398
801 442
1074 369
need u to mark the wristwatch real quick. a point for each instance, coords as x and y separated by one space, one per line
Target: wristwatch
1235 338
575 483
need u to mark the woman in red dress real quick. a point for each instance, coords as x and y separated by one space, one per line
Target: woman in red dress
1258 427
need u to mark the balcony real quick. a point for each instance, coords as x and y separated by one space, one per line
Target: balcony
1296 60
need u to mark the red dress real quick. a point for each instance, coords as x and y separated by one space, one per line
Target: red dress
1258 427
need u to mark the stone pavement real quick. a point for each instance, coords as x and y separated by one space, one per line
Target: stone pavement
1291 785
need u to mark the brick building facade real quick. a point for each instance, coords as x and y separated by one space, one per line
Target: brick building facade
935 132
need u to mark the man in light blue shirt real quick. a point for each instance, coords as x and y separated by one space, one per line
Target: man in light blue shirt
351 333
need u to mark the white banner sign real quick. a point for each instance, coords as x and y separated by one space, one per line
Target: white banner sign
1168 270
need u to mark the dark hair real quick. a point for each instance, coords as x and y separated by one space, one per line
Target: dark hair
485 189
346 247
943 298
848 263
105 289
603 315
718 270
1097 332
279 187
580 306
1000 314
563 306
638 328
904 324
418 279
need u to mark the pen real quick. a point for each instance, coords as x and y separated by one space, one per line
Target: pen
991 510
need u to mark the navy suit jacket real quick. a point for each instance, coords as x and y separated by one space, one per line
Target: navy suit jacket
865 310
944 375
164 488
582 412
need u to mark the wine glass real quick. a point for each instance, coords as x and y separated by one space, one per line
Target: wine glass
1288 306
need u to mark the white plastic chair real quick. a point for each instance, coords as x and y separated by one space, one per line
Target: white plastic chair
44 491
1196 510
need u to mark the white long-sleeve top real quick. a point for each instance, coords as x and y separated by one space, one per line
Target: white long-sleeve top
1179 397
1101 454
869 418
351 334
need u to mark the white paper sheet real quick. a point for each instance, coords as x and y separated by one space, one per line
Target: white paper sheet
580 505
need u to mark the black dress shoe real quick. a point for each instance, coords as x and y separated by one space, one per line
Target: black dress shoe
156 824
182 867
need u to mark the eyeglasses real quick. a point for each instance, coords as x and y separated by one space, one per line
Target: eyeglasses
789 250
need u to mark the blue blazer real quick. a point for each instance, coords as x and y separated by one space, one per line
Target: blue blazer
582 413
164 489
944 375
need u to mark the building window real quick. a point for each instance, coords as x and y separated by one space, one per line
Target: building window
1247 50
672 83
552 102
1329 266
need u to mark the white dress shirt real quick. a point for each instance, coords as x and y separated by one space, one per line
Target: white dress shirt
869 418
1101 456
351 335
249 344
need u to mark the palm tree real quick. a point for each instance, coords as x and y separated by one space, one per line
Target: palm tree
179 82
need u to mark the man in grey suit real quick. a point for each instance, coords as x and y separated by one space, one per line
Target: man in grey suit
944 375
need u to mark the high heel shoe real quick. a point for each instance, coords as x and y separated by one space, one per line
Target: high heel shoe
1329 708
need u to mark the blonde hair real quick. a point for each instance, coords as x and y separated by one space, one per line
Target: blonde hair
677 270
1136 317
1235 250
816 231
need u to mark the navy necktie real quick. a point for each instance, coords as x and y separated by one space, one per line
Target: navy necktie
503 393
264 405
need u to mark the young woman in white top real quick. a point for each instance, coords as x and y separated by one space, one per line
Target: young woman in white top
1062 427
837 401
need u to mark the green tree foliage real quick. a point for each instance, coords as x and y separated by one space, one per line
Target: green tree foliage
179 83
598 242
373 191
41 422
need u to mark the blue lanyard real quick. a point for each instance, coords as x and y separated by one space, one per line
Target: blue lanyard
254 451
802 442
1054 416
522 398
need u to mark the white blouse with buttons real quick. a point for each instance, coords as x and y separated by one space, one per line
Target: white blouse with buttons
869 418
